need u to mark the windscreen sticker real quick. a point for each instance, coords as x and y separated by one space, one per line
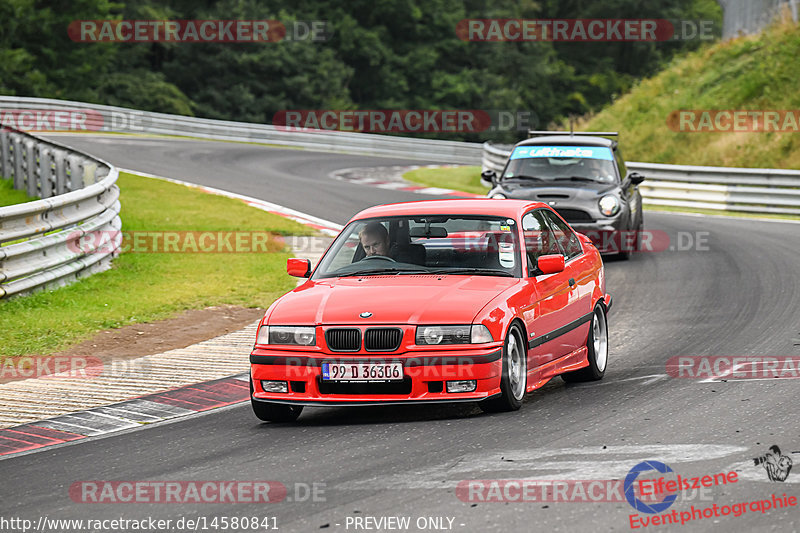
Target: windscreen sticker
506 254
505 228
579 152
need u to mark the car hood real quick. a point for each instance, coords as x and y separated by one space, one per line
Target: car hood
567 191
406 299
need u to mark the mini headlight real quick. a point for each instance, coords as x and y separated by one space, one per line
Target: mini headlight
291 335
499 196
609 205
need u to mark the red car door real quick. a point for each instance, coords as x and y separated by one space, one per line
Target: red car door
575 328
551 295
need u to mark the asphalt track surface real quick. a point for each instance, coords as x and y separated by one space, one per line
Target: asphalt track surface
737 296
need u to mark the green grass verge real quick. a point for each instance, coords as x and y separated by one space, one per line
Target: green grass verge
758 72
467 179
143 287
9 195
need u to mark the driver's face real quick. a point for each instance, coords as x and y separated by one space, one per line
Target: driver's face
374 245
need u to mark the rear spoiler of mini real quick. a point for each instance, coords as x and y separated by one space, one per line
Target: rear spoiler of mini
533 133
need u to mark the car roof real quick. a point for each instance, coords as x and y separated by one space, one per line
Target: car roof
568 140
471 206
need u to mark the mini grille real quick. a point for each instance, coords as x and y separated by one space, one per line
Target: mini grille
382 339
575 215
343 339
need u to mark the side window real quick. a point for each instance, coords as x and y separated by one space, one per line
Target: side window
539 238
623 172
564 236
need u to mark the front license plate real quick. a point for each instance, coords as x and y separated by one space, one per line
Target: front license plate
362 371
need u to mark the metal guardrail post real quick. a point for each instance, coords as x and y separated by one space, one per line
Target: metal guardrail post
74 172
6 169
31 167
59 158
17 152
45 172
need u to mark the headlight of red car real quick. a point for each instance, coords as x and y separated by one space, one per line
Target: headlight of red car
292 335
467 334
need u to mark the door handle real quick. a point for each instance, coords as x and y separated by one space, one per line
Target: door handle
572 282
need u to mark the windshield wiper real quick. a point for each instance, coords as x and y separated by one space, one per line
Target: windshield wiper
575 178
372 271
479 271
383 271
523 178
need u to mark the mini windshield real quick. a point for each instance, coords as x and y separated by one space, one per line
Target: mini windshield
561 164
441 244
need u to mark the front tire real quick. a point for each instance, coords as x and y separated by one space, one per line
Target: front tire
597 347
626 254
514 377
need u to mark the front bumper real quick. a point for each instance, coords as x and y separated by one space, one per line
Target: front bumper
424 377
609 238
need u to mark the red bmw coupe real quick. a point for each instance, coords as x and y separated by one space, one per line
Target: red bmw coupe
437 301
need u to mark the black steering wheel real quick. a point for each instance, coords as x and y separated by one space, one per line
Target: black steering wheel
379 257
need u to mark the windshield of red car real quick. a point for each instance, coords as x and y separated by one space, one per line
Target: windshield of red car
440 244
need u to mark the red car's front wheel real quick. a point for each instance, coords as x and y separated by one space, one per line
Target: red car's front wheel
514 377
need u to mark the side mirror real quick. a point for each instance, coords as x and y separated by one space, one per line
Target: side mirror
489 176
299 268
635 178
551 264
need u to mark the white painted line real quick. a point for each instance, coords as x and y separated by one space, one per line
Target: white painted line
147 408
732 370
434 191
60 425
125 414
726 217
652 378
584 463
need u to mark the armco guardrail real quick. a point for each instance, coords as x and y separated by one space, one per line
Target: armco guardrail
118 119
753 190
40 241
